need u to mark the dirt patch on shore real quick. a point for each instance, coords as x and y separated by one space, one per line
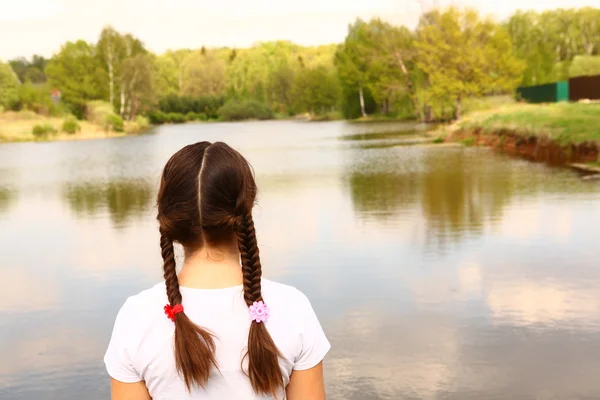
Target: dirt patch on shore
534 148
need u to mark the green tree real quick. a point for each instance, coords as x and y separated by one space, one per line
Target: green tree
30 71
137 85
204 74
351 61
279 87
389 52
77 72
585 65
549 42
35 98
587 25
9 86
317 90
170 70
111 50
116 50
531 44
464 55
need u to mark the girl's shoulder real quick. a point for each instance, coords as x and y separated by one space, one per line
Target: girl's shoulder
281 296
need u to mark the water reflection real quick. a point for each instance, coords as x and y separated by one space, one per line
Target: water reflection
123 200
381 194
460 193
6 199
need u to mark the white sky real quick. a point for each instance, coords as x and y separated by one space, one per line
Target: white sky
40 26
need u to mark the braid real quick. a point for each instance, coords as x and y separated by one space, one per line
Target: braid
170 269
263 355
194 346
249 255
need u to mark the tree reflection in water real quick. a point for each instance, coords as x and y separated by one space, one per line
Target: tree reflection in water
123 199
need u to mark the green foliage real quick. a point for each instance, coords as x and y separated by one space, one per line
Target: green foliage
128 70
463 55
207 105
77 72
204 74
43 130
71 126
553 37
158 117
438 140
9 86
377 60
317 91
113 122
176 118
585 65
30 71
238 110
37 98
350 103
192 116
97 111
140 124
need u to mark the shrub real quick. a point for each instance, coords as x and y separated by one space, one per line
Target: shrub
138 125
185 104
438 140
98 111
42 130
36 98
192 116
142 122
113 122
71 126
236 110
158 117
176 118
27 115
585 65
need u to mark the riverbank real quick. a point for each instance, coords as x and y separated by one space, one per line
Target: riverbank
559 134
19 127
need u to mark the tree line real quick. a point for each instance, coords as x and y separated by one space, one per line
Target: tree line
426 73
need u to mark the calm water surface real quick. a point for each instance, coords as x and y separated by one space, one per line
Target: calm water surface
437 273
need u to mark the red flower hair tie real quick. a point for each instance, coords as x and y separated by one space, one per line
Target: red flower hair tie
172 311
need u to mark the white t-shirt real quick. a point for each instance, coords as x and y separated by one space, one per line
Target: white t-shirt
141 346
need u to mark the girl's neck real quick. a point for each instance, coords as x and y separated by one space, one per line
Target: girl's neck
211 268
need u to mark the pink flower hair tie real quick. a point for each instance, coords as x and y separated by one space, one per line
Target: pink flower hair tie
172 311
259 311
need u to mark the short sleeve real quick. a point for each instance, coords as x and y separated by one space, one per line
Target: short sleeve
118 360
314 342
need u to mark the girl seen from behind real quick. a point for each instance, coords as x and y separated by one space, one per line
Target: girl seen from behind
216 330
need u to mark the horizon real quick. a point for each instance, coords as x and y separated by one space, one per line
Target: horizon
189 24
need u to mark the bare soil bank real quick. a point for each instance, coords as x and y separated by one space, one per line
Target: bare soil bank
534 148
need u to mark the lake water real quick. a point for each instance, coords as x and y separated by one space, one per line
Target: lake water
452 273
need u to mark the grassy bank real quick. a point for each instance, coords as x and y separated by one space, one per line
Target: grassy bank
559 133
562 123
20 126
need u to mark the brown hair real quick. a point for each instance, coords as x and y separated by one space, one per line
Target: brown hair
206 195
